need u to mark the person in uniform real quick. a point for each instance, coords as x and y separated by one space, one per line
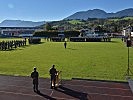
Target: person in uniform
34 76
53 73
65 44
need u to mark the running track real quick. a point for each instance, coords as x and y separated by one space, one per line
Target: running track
20 88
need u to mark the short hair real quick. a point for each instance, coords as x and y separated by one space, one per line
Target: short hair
34 68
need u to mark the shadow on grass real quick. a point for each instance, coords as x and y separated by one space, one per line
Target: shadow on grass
115 42
71 49
73 93
45 96
37 43
110 42
13 49
25 46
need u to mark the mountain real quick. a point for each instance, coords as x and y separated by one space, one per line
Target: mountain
97 13
20 23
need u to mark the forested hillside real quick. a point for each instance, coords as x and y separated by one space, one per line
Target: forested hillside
104 25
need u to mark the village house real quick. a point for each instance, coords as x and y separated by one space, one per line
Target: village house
128 31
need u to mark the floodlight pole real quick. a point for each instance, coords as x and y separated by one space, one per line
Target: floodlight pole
128 45
128 63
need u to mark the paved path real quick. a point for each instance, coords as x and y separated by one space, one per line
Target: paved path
20 88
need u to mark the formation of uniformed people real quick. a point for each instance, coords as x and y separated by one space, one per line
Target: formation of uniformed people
106 39
9 45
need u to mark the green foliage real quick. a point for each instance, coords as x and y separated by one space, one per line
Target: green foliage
107 25
118 19
75 22
55 33
128 18
34 40
46 34
93 60
47 27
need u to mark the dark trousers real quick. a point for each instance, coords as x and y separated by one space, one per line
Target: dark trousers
53 79
35 85
65 46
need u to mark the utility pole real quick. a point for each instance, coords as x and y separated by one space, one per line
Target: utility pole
128 69
128 45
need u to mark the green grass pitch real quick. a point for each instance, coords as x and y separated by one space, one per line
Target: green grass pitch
89 60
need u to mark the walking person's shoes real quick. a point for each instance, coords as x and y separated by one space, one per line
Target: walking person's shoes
51 87
38 91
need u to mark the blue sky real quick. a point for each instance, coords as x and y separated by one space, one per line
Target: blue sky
52 10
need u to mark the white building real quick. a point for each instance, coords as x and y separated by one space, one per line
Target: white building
18 31
128 31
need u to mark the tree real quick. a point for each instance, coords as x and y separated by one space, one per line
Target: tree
47 27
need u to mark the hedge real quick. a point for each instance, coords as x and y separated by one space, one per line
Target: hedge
55 34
